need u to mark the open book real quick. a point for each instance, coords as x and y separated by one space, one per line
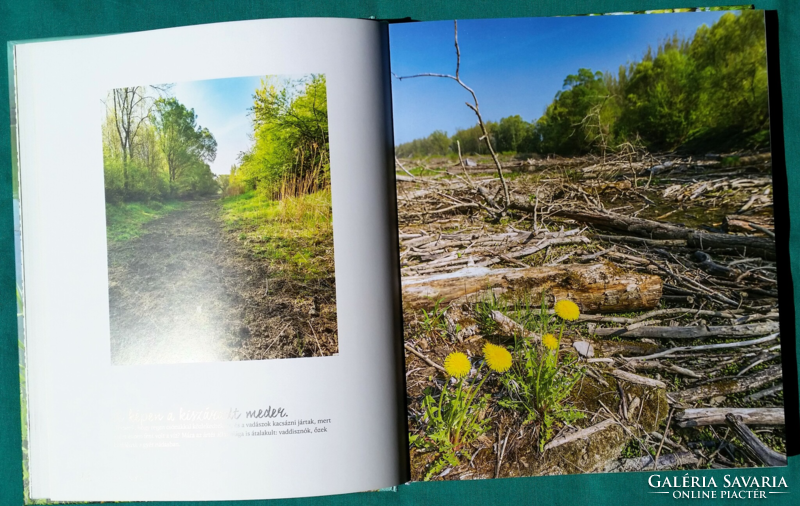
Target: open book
267 259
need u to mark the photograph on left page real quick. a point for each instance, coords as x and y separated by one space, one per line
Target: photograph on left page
219 220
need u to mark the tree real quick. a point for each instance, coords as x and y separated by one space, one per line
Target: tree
183 142
511 132
563 127
129 109
290 153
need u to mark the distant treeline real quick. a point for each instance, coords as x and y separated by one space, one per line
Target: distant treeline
290 153
153 148
705 93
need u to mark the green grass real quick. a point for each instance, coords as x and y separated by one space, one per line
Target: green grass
125 221
295 233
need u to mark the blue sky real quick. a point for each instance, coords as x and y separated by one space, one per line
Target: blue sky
515 66
221 105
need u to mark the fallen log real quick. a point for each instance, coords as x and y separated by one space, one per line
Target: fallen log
716 416
727 386
595 288
696 332
753 446
754 246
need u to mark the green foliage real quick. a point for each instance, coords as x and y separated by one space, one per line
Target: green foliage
470 139
437 143
125 221
451 422
153 149
562 128
705 93
290 155
185 144
541 380
295 233
700 94
433 322
514 134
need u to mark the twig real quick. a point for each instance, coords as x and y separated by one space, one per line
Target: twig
738 344
666 433
315 339
424 358
397 161
476 109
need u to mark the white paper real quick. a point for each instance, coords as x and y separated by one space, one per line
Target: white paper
78 400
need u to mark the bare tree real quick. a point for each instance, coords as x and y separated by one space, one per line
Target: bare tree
130 107
476 109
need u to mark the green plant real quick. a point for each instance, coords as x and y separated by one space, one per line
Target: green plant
542 380
433 320
730 161
456 418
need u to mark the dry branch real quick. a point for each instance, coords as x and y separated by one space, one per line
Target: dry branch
716 416
706 347
664 462
635 378
758 246
580 434
728 331
424 358
510 327
753 446
727 386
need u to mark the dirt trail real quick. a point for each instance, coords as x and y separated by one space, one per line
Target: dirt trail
167 292
188 291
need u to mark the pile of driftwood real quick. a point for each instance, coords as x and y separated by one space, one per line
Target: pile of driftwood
701 319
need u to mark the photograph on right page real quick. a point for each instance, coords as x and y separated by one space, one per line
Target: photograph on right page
587 244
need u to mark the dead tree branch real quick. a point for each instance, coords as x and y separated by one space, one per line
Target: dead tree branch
476 109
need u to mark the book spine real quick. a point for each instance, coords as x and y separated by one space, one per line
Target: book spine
18 260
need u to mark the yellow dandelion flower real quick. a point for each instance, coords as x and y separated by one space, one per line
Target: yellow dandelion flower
497 357
550 341
457 365
567 310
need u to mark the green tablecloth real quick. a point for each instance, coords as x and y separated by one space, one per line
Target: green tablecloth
36 19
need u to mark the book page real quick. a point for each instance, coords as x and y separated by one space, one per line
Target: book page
210 278
590 273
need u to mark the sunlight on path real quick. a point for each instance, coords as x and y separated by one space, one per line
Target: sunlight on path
167 292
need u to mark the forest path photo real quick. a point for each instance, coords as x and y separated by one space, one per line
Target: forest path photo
187 291
220 235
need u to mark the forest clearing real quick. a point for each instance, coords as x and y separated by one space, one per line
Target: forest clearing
671 261
595 289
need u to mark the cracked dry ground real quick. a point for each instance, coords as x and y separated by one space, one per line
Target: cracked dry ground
187 290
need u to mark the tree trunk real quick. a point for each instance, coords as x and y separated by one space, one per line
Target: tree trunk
595 288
